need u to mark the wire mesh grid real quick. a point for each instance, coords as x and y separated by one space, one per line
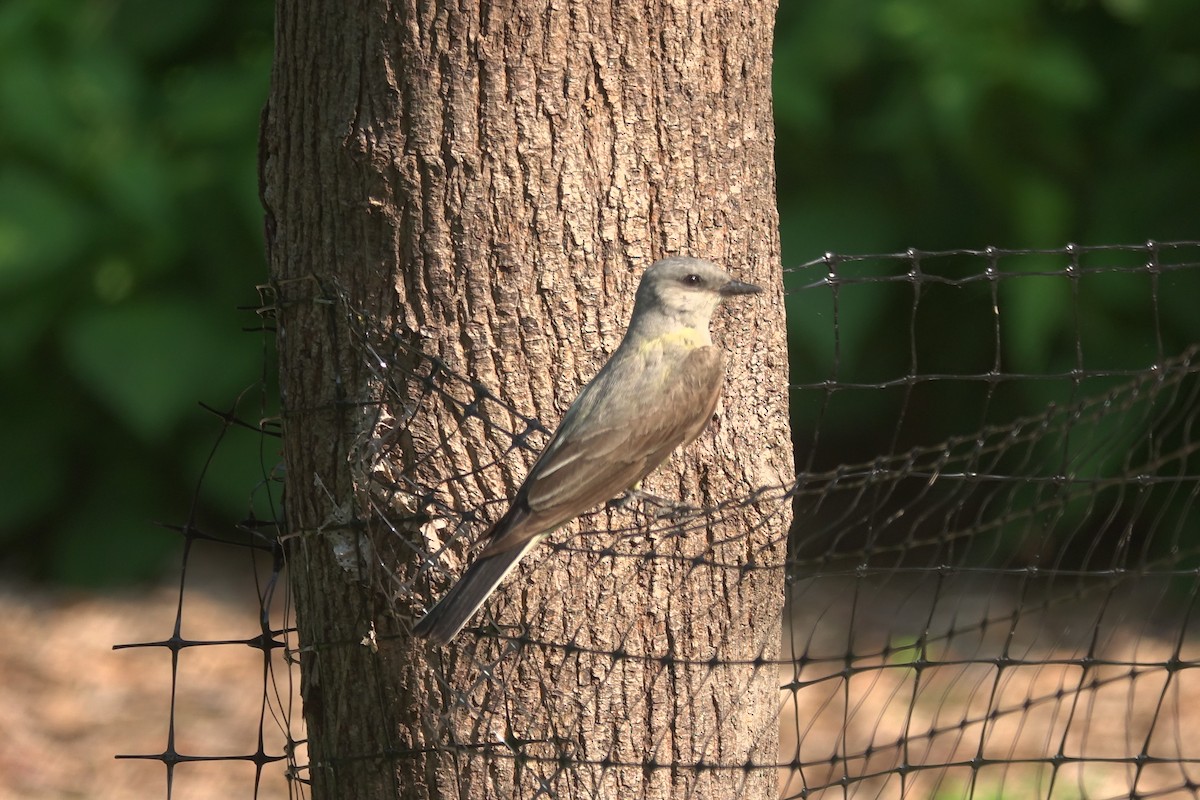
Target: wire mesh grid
992 568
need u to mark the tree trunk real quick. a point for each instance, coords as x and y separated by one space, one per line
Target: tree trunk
484 182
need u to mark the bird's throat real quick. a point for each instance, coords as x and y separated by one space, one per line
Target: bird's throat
683 337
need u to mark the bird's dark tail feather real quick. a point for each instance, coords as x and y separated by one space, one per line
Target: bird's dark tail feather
442 622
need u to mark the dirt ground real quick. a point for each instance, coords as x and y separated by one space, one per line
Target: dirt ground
990 688
69 702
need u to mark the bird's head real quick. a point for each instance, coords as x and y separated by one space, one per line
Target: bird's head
686 291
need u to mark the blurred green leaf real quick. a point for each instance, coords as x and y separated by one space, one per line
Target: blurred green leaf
211 104
34 471
109 536
234 471
1032 325
1042 209
43 227
158 30
126 239
25 323
1057 73
152 362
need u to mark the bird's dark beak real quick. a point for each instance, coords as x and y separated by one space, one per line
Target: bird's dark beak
737 287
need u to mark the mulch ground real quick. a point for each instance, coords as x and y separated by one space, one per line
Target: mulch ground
69 703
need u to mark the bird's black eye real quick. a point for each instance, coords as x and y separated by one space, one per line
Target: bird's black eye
691 280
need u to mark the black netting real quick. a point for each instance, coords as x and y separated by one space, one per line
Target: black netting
992 568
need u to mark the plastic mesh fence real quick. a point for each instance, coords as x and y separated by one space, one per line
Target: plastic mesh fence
995 552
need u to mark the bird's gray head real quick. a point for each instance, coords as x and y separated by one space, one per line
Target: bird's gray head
684 291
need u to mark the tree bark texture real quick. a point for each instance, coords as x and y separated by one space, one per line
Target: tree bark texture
484 182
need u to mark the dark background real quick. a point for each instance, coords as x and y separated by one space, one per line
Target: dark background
130 230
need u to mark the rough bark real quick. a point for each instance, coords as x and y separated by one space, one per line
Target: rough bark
488 180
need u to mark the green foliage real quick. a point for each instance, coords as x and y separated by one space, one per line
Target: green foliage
939 124
942 124
129 232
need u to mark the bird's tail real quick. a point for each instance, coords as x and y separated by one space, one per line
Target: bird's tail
442 622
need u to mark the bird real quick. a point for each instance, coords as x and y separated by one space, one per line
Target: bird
657 391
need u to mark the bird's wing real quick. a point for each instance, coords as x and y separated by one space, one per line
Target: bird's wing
596 461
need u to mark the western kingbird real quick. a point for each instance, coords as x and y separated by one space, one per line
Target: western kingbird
657 392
